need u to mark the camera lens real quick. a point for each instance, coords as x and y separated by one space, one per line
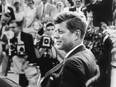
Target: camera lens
21 49
46 41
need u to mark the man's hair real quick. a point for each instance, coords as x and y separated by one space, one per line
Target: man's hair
49 24
74 21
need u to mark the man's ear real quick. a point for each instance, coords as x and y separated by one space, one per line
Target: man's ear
77 34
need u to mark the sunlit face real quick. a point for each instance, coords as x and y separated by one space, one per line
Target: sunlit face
50 30
63 38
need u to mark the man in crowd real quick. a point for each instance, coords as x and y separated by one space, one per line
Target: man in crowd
79 64
25 50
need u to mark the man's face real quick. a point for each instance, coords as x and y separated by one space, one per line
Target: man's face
63 38
77 3
50 30
17 6
13 27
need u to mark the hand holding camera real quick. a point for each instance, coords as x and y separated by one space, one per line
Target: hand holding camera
43 42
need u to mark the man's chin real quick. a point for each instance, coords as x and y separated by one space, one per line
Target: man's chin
58 47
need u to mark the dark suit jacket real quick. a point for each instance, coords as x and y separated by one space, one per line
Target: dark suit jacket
29 47
74 72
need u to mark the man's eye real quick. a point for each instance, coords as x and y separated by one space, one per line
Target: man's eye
60 32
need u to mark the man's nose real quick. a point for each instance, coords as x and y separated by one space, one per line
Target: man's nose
56 35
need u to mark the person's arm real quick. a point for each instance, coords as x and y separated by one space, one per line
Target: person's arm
39 52
29 30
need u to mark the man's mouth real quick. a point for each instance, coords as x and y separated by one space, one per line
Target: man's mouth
58 42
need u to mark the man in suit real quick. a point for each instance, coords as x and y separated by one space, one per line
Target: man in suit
25 50
45 11
27 39
79 64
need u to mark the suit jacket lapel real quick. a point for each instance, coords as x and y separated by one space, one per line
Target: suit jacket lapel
54 69
80 48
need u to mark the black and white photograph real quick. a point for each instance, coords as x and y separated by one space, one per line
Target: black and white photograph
57 43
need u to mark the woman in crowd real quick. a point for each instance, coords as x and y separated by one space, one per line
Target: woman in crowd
30 12
60 7
19 13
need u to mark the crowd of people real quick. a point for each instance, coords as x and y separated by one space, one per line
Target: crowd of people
56 43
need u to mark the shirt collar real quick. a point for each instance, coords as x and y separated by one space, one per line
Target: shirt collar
72 50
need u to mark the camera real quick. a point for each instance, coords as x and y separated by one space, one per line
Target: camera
21 50
44 42
12 49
